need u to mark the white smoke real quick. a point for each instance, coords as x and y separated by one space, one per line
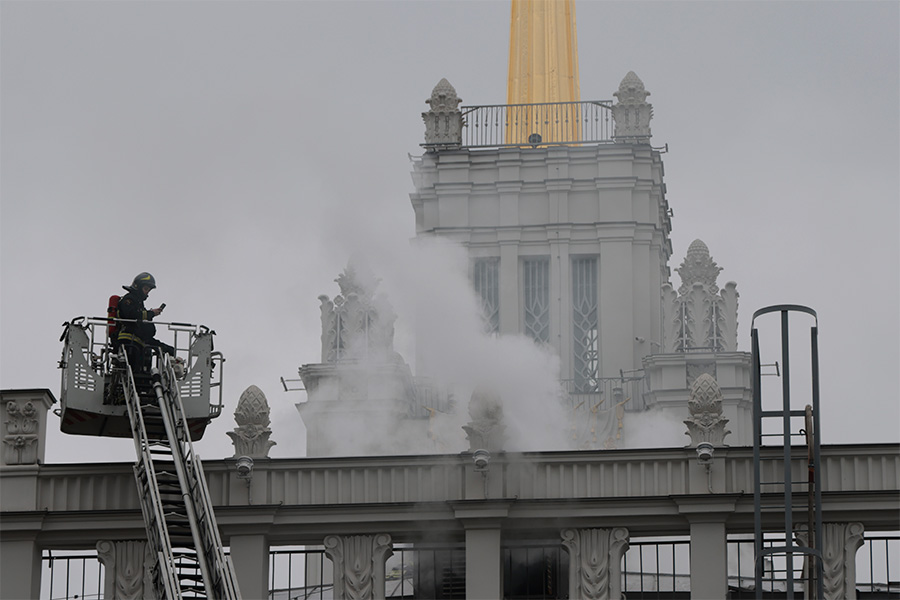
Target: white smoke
439 329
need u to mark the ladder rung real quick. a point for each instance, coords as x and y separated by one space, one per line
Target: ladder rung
780 413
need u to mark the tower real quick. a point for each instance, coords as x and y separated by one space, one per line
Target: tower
568 240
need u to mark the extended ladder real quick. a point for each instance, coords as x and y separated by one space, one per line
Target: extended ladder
178 513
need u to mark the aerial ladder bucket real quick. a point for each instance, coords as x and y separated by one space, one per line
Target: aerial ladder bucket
105 395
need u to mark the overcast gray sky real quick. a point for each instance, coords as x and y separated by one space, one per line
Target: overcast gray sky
241 152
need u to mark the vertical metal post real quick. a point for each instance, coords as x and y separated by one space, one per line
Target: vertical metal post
786 448
817 480
757 442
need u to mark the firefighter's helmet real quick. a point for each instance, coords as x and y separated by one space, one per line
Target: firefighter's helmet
143 279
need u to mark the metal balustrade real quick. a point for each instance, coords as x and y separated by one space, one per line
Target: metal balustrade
71 574
652 568
547 124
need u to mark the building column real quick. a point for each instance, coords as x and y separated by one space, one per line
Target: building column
484 575
709 547
616 306
483 521
595 562
21 560
250 557
358 565
561 299
709 560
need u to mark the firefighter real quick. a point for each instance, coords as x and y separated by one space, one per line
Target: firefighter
136 332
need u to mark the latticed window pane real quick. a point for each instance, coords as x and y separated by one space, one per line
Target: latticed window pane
486 276
585 331
536 292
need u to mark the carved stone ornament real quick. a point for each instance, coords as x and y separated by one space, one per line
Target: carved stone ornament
251 436
632 112
443 121
841 541
485 429
128 567
20 434
358 324
706 423
699 316
595 562
698 267
597 423
358 565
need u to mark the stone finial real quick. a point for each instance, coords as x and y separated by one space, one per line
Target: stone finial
251 436
358 323
595 562
698 267
705 404
443 97
443 120
632 112
486 429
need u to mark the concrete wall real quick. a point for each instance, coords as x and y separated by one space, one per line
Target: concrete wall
602 200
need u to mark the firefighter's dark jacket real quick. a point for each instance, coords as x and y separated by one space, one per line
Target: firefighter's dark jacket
131 306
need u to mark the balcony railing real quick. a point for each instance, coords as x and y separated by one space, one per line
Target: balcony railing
629 389
548 124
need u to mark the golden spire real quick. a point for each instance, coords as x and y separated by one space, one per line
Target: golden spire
543 62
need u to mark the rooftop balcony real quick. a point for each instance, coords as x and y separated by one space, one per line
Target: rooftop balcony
451 126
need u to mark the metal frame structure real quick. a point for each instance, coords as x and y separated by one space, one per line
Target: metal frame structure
811 433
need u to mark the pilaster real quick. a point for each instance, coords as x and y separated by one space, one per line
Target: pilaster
709 548
21 560
484 569
561 298
509 287
250 557
616 307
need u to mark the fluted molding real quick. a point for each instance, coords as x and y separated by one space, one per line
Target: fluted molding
358 565
595 562
128 567
839 545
